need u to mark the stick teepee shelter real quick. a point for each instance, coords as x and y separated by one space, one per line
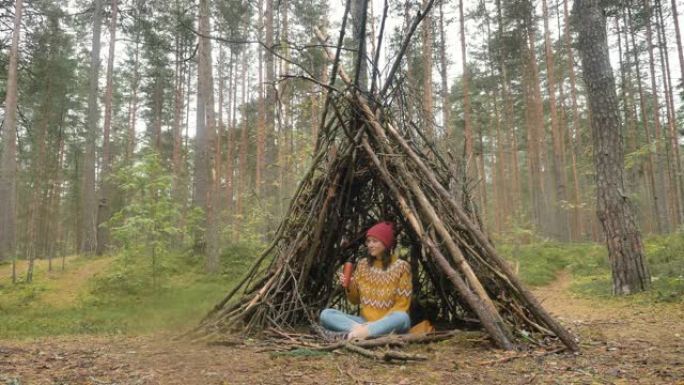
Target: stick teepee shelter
368 167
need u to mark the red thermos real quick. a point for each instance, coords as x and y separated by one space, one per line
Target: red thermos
347 273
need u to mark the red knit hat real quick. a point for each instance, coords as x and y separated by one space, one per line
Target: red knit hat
384 232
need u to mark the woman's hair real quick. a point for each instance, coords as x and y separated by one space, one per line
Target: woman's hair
386 258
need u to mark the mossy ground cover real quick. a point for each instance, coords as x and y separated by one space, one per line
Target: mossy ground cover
106 296
539 264
101 296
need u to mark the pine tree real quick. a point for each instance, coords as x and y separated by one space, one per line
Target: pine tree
625 248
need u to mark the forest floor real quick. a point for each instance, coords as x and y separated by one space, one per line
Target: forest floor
61 288
623 341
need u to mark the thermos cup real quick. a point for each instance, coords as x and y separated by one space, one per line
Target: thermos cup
347 273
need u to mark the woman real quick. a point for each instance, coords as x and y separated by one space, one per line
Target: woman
381 285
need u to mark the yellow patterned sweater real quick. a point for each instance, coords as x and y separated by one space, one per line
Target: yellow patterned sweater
380 292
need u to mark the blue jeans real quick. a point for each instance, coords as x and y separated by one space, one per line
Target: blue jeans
397 321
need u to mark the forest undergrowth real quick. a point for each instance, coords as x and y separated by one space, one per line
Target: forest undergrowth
111 295
103 332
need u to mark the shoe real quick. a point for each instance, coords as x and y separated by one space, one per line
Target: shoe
328 335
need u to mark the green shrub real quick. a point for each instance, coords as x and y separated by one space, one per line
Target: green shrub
666 255
151 223
539 263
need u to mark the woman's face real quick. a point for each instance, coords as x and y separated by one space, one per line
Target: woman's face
375 247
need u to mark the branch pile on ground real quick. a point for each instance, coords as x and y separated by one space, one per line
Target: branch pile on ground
369 168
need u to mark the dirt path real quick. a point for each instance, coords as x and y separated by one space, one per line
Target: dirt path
622 343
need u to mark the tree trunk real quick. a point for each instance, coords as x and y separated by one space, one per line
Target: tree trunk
8 167
446 106
508 126
559 176
104 209
38 166
261 114
209 138
88 195
625 249
673 160
468 124
176 161
630 114
285 131
133 104
534 118
270 152
678 35
58 245
650 164
660 164
204 134
358 12
242 156
428 120
578 220
230 140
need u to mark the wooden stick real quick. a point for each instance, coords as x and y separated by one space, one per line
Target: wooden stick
384 356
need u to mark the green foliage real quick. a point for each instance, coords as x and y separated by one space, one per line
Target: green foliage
122 300
236 258
176 307
665 255
149 224
520 231
539 263
256 224
637 157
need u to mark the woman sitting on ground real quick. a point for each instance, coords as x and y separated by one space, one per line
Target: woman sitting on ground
381 285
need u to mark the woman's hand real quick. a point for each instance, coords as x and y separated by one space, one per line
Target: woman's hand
340 278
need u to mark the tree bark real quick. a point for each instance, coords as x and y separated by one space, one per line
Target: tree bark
660 164
8 165
650 164
559 175
230 140
534 118
358 13
104 210
176 160
673 159
37 194
133 103
428 120
204 135
261 113
446 105
208 144
625 249
467 119
242 156
270 152
508 127
88 194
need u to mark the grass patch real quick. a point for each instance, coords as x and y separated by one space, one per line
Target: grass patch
665 289
119 299
539 263
174 307
665 256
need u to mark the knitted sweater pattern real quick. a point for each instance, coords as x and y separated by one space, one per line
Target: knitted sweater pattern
378 291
